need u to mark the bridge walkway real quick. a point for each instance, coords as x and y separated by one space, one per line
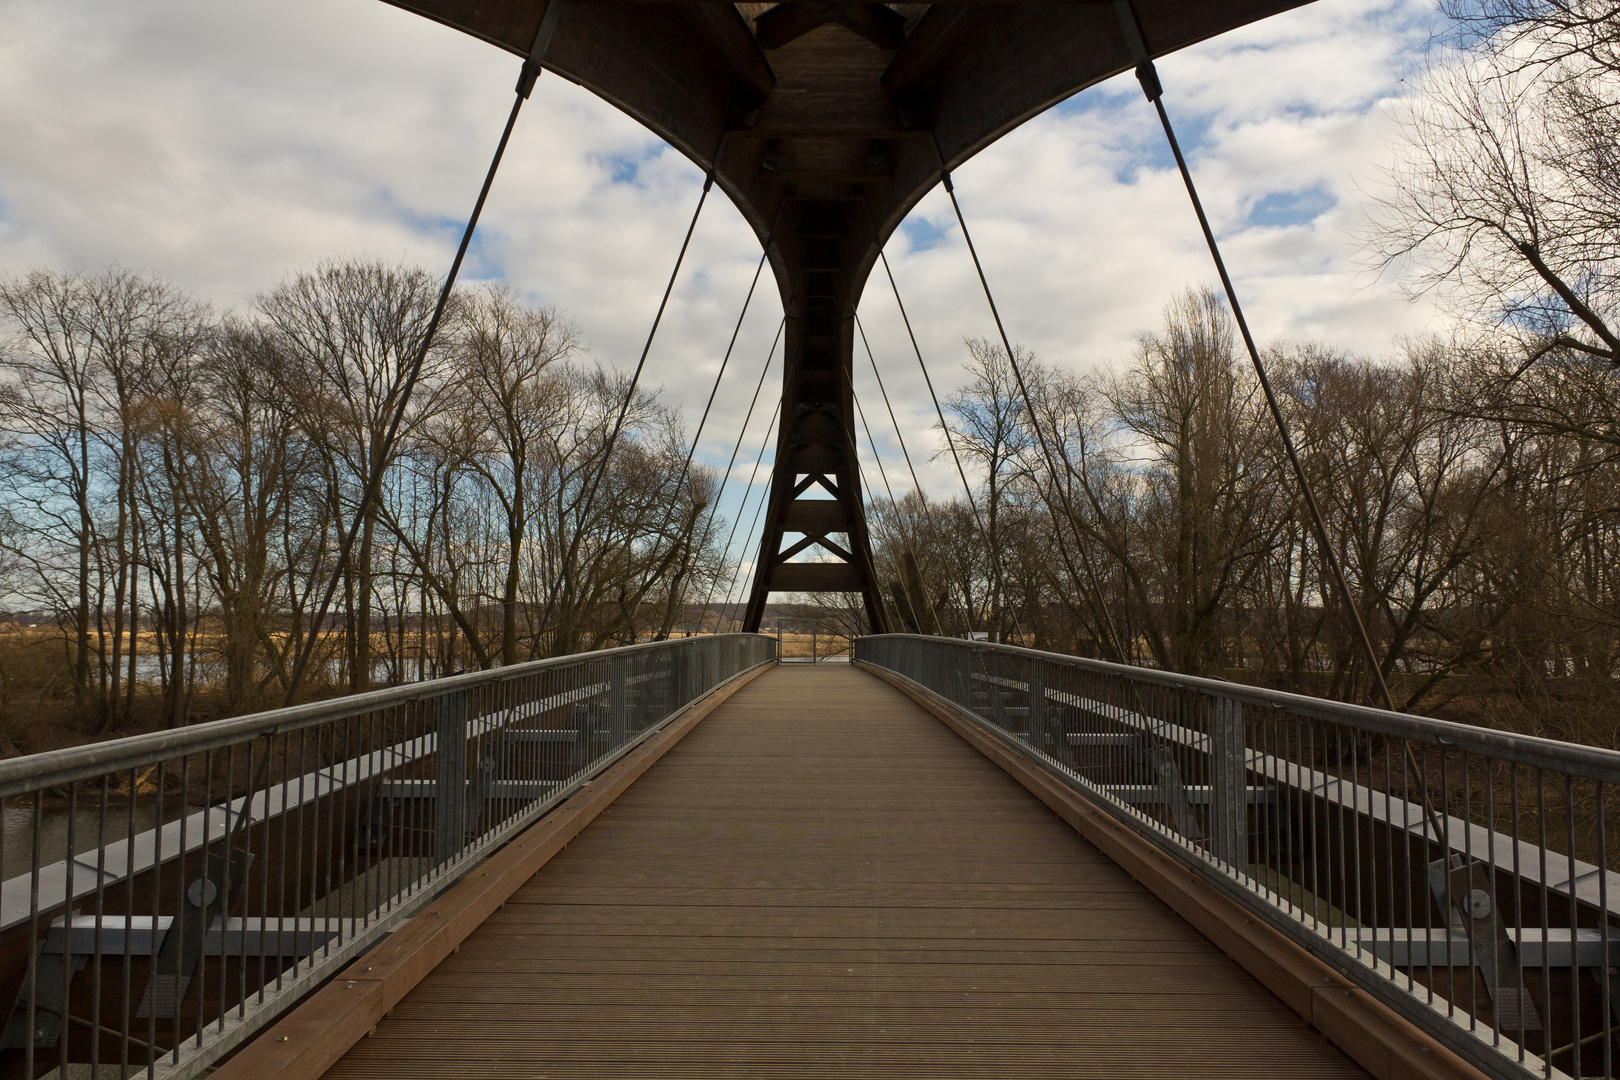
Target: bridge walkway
823 880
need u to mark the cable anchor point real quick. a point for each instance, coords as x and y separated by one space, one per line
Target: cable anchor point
527 77
1148 76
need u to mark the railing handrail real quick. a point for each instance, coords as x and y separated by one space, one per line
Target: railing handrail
1293 821
355 811
1589 762
52 768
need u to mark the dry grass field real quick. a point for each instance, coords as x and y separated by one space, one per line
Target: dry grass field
818 646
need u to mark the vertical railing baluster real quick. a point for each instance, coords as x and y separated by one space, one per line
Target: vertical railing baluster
1228 788
64 1037
1574 923
100 916
617 715
1604 972
1035 708
1545 904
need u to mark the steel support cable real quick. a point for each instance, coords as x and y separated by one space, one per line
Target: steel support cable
736 447
566 569
1034 417
849 381
898 437
906 454
686 466
866 483
750 537
1148 76
967 488
1103 609
527 77
1023 393
883 474
743 509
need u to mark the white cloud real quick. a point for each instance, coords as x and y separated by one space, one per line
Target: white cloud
227 145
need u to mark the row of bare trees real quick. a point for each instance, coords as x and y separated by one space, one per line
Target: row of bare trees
1159 523
176 485
1471 484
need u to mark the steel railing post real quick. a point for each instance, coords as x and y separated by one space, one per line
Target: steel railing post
618 718
1229 811
1035 688
450 777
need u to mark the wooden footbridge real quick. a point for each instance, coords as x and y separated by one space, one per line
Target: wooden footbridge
946 858
821 879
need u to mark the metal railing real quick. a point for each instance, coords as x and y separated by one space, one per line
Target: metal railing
167 895
1460 874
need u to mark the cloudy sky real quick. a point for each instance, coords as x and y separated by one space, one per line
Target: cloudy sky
226 145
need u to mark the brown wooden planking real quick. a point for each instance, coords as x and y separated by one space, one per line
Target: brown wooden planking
1385 1043
309 1038
821 880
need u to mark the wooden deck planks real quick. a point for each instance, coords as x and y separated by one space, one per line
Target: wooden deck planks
823 881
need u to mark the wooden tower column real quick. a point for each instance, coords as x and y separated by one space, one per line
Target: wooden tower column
815 505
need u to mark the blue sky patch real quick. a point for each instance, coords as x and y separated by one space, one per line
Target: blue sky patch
483 262
418 222
626 168
483 259
1143 144
1283 208
922 234
622 168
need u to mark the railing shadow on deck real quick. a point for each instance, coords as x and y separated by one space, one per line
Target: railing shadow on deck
1488 919
201 881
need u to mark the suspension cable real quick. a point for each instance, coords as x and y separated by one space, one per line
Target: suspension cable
527 76
753 535
899 438
567 568
736 447
686 466
1148 76
950 442
1103 610
866 484
1023 392
743 509
883 474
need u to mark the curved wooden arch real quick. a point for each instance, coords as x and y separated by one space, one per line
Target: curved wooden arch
823 119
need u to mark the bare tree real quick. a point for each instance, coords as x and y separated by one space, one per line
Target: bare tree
991 430
49 412
84 354
242 445
348 332
1209 507
1507 187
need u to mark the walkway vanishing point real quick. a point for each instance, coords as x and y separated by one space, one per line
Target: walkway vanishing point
823 880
